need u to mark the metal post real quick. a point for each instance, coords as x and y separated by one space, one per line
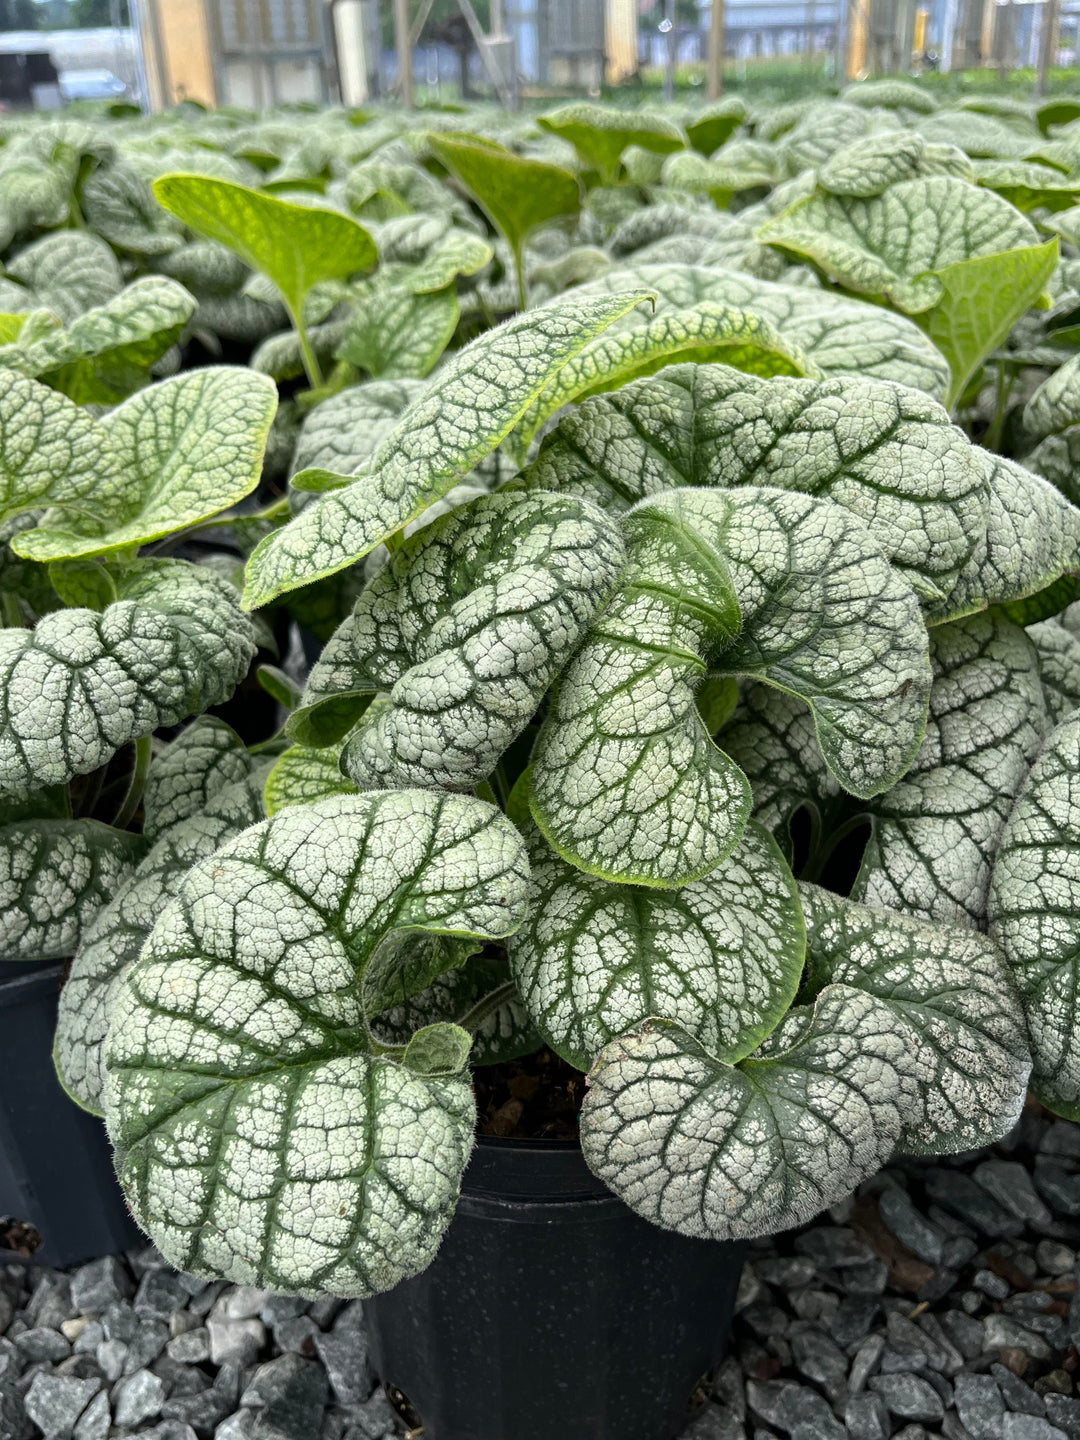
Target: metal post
948 35
1047 42
404 52
669 58
715 58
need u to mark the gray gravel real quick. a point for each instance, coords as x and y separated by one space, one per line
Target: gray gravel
940 1301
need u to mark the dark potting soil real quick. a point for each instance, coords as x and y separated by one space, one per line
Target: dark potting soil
535 1098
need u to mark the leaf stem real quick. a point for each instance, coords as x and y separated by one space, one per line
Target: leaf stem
140 770
519 267
311 363
11 612
486 1006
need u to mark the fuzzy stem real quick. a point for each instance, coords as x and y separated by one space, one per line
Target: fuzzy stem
139 772
486 1006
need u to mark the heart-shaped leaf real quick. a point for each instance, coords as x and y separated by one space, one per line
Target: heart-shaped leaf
111 943
83 683
626 782
466 627
951 991
171 456
105 353
723 956
517 194
472 404
295 246
68 273
727 1152
204 758
600 135
900 465
240 1032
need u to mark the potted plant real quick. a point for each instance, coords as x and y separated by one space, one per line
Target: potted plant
675 797
547 783
101 647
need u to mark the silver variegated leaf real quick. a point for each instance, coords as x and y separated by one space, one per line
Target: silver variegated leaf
937 831
722 956
1031 539
343 432
467 626
112 941
763 583
1057 648
84 682
1034 911
952 997
55 875
728 1152
257 1135
462 415
888 454
204 758
841 335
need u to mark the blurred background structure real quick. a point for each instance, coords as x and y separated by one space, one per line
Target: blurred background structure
257 53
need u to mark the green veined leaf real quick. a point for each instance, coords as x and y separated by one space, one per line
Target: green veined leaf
296 246
902 467
184 450
824 128
1058 650
112 941
1031 540
82 684
204 758
118 204
393 333
708 128
895 244
937 831
240 1029
791 589
870 165
471 405
841 335
726 1152
105 353
600 135
342 432
722 956
952 993
69 273
52 452
303 774
466 627
1055 405
721 178
705 333
55 875
1034 911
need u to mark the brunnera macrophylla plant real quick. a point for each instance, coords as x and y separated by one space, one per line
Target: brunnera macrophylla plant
638 611
543 784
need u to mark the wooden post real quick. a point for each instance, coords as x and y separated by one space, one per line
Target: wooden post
403 45
1047 42
715 58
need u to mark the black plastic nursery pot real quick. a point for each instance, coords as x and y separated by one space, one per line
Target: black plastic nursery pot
56 1172
552 1312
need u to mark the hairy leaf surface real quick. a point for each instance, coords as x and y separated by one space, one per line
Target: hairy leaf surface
626 783
84 683
1034 910
726 1152
257 1135
722 956
471 406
